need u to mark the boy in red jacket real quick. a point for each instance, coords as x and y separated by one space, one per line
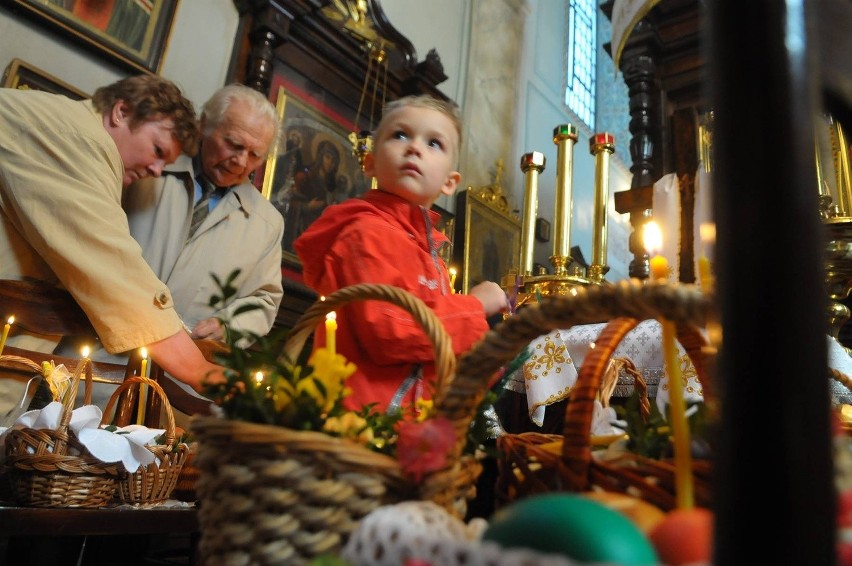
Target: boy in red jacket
389 236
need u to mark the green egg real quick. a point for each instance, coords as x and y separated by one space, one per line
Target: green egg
573 526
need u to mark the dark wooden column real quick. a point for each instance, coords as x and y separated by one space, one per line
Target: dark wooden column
775 442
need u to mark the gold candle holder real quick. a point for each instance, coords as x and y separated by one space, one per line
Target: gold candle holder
532 164
601 145
527 286
564 136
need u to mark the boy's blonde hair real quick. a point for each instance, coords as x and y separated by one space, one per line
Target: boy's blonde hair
446 107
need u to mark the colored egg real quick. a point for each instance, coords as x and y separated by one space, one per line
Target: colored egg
573 526
684 536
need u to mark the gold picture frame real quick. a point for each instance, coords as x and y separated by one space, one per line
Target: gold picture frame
291 177
22 75
489 236
131 33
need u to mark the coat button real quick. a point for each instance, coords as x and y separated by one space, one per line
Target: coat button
162 299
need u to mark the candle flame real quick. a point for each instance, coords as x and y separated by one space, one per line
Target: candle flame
331 316
652 237
453 271
85 351
258 377
144 352
708 232
11 320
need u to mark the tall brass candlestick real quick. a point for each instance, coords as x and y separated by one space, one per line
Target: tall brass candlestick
564 136
531 164
601 145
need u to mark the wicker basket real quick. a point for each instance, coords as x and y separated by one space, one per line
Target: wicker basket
155 482
272 495
51 468
530 463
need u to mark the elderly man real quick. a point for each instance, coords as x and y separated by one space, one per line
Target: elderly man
203 217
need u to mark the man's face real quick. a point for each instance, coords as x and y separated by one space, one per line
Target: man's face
236 147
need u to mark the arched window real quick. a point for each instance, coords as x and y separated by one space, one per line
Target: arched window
581 60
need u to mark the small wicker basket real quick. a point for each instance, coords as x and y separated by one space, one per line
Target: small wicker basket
528 463
155 482
51 468
272 495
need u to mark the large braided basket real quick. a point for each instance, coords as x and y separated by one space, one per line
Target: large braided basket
272 495
527 462
51 468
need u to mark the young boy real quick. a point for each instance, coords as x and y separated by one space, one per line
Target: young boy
388 236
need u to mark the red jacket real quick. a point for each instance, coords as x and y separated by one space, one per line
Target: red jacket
382 238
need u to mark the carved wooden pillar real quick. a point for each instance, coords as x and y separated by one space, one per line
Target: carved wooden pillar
268 25
639 73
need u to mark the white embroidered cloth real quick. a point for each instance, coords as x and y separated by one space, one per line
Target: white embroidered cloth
125 445
551 371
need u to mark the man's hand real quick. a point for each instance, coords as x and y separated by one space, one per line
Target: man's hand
209 328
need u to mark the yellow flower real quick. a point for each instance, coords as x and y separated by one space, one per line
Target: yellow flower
331 370
423 408
349 425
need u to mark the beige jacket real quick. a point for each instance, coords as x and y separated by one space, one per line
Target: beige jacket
61 218
242 232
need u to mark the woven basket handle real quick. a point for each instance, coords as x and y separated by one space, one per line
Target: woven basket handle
576 451
685 305
155 387
83 368
445 360
22 363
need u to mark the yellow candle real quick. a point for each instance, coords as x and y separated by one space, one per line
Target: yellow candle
5 335
453 273
330 329
707 230
677 405
143 389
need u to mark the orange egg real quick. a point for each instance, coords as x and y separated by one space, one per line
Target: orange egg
684 536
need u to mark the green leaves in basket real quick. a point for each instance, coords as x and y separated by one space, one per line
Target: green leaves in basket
652 438
479 428
303 394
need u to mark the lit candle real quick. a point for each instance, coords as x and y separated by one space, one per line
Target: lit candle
654 243
258 378
680 427
143 388
85 352
453 273
6 329
330 329
707 230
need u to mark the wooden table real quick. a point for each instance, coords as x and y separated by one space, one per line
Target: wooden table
128 535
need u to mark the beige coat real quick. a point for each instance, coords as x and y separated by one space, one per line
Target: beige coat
61 218
242 232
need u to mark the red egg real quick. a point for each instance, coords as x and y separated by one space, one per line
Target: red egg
684 536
